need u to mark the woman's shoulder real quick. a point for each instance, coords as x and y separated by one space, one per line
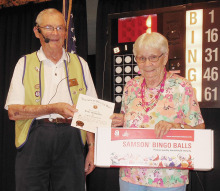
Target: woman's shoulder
178 80
134 81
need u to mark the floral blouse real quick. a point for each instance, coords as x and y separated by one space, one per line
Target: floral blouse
177 104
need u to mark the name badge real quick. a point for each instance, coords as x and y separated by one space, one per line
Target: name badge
73 82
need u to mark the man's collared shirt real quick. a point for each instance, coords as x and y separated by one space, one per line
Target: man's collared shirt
56 89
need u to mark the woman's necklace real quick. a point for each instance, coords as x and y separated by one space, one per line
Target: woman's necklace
151 104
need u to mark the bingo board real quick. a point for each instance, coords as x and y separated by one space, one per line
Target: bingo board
125 31
125 68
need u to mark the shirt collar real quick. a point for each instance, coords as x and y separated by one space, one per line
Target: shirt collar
42 57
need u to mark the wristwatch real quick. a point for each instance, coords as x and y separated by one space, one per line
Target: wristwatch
91 144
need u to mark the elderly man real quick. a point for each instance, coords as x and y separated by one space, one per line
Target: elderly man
41 99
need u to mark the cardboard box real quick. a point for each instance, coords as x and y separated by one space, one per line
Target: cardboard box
182 148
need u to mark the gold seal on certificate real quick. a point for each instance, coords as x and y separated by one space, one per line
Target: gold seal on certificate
79 123
92 113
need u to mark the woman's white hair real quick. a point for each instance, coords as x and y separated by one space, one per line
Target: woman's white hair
49 11
152 40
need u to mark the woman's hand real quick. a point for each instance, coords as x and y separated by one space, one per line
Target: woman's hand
163 127
117 119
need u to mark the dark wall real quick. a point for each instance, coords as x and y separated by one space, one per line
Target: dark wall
199 181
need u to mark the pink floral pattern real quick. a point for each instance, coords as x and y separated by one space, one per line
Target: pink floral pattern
176 104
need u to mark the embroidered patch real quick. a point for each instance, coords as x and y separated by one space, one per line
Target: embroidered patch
37 86
73 82
81 89
37 93
37 100
37 69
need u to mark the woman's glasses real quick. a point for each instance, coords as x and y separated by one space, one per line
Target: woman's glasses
142 59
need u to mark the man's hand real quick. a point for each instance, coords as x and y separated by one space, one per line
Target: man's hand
64 109
21 112
89 163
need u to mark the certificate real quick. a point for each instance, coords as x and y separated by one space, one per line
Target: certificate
92 113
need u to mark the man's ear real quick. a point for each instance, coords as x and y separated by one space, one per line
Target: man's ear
36 32
66 34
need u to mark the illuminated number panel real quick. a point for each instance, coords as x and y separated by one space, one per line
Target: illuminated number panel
211 62
202 53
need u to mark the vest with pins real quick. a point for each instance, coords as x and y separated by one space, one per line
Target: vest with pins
33 81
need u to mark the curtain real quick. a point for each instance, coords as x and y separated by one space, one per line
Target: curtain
103 179
17 39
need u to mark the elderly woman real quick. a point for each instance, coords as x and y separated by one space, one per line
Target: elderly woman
161 100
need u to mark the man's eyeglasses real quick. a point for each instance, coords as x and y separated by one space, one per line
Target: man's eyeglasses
142 59
59 29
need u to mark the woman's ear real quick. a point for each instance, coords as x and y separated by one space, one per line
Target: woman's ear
166 58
